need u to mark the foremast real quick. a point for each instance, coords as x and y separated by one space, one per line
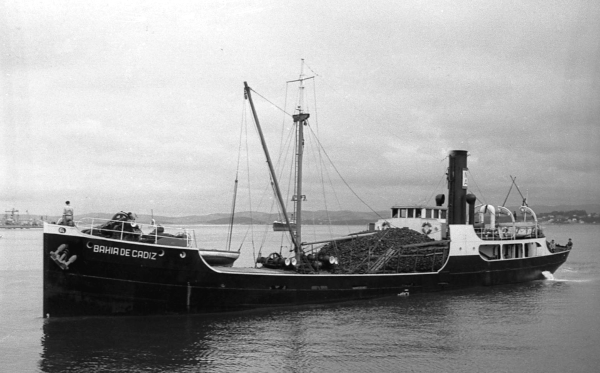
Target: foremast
300 121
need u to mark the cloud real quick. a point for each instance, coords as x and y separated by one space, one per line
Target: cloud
140 105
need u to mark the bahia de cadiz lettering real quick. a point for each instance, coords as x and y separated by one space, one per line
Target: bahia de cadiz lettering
111 250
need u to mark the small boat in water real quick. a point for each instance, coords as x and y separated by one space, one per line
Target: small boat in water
152 273
283 226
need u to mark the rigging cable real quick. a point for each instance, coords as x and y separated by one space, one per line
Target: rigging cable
250 198
237 169
271 182
436 188
509 190
524 203
344 180
320 157
264 98
480 192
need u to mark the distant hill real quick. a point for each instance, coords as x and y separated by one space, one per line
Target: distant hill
320 217
541 209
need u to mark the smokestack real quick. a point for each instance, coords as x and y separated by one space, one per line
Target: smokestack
457 187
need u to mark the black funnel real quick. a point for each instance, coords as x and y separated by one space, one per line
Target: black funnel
457 187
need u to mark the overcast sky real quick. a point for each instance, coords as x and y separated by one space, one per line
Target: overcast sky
137 106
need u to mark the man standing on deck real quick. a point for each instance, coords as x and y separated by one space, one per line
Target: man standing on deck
67 217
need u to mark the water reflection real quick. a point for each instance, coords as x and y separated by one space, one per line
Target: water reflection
494 323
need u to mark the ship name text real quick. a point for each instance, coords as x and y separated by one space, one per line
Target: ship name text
124 252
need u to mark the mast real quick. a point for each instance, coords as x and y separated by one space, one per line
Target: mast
271 169
300 121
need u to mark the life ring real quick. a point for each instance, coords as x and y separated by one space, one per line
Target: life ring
426 227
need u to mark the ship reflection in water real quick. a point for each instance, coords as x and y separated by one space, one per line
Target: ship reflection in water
471 330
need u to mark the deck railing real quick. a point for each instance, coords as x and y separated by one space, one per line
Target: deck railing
133 231
510 232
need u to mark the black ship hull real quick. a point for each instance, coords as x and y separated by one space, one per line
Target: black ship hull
129 279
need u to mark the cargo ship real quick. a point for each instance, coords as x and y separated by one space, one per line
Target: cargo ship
109 276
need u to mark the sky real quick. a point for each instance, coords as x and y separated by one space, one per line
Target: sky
139 105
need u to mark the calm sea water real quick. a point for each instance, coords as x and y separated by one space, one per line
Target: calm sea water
544 326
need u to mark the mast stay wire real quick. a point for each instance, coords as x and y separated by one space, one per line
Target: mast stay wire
435 189
509 190
264 98
324 151
279 161
342 178
260 202
237 169
482 199
320 157
276 106
317 158
524 203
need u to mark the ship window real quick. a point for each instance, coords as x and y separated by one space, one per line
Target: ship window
429 213
443 214
403 213
513 250
436 213
518 250
411 213
418 213
489 252
394 213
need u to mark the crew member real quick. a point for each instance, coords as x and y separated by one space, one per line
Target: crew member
67 216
